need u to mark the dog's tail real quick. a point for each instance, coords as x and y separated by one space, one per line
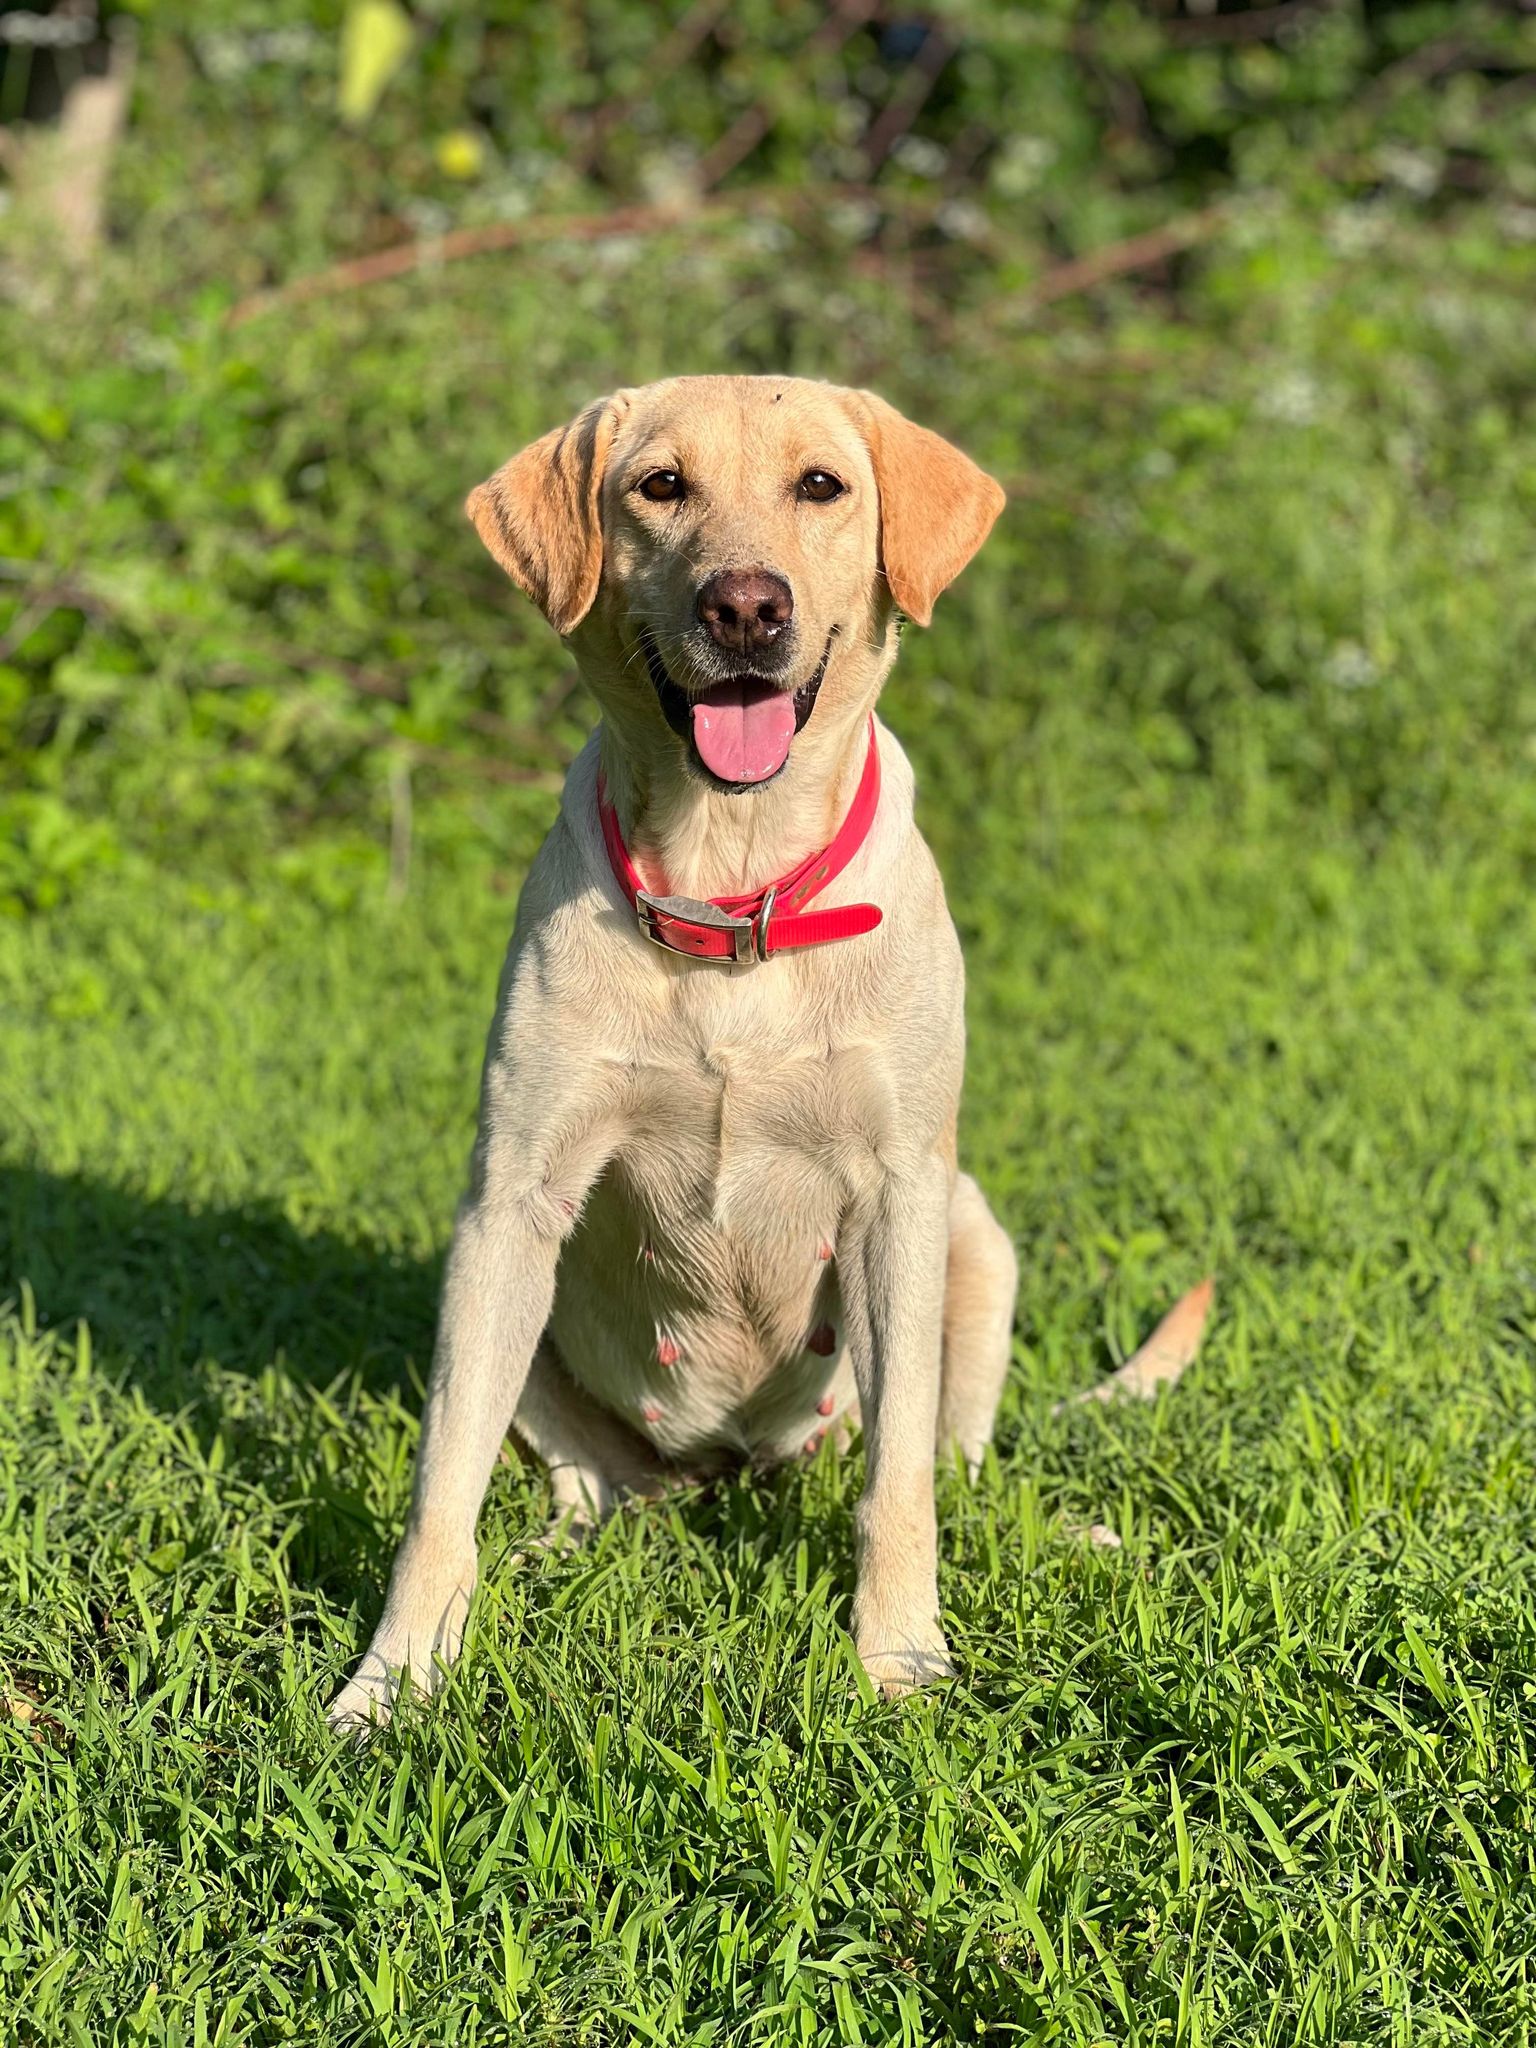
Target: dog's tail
1161 1361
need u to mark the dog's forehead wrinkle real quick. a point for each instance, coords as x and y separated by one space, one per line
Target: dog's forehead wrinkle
738 427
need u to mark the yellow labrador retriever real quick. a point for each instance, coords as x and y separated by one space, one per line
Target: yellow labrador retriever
714 1208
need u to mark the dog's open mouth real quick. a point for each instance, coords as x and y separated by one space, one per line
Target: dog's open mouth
740 731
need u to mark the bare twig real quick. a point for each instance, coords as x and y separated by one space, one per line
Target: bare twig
1253 25
1510 94
50 598
26 622
749 127
487 766
738 142
674 50
1428 61
404 257
1045 490
1119 259
966 152
236 674
909 97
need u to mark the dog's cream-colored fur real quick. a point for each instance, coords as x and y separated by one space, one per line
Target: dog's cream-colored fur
685 1161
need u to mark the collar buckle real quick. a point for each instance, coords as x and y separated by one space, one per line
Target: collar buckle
764 912
747 942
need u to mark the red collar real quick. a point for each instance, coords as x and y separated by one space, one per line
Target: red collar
740 929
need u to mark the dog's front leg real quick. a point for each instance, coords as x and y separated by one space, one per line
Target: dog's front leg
496 1299
891 1258
540 1149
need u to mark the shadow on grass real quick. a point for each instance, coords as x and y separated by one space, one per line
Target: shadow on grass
167 1288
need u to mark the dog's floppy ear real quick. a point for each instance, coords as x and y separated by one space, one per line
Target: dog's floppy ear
936 506
540 514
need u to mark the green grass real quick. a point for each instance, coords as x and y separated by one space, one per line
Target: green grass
1226 748
1263 1774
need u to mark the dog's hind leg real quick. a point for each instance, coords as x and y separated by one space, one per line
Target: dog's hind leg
980 1284
593 1458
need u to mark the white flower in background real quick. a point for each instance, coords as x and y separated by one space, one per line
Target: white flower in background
850 118
1021 164
1353 230
1349 667
534 173
1254 220
670 177
852 219
1417 170
508 200
30 30
1452 312
962 220
227 53
615 254
765 237
922 158
1293 398
223 56
426 218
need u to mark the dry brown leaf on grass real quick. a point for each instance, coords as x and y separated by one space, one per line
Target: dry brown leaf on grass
1161 1361
29 1716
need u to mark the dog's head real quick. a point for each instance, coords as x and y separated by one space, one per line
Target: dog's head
728 554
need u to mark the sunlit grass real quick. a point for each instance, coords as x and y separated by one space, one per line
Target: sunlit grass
1225 746
1263 1773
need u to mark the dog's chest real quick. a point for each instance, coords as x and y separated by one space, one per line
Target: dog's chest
698 1296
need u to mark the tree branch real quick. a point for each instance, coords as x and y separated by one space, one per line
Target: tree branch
1118 259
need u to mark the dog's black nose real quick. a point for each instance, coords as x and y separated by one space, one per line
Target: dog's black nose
745 610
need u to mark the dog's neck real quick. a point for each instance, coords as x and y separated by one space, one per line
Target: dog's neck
689 839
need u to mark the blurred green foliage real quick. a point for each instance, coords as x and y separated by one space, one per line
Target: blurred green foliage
1226 746
237 601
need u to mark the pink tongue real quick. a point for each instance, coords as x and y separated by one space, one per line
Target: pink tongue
743 730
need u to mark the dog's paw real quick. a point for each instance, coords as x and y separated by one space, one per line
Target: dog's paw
904 1667
364 1704
418 1636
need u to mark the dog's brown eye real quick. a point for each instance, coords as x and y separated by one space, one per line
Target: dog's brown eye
661 486
820 486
